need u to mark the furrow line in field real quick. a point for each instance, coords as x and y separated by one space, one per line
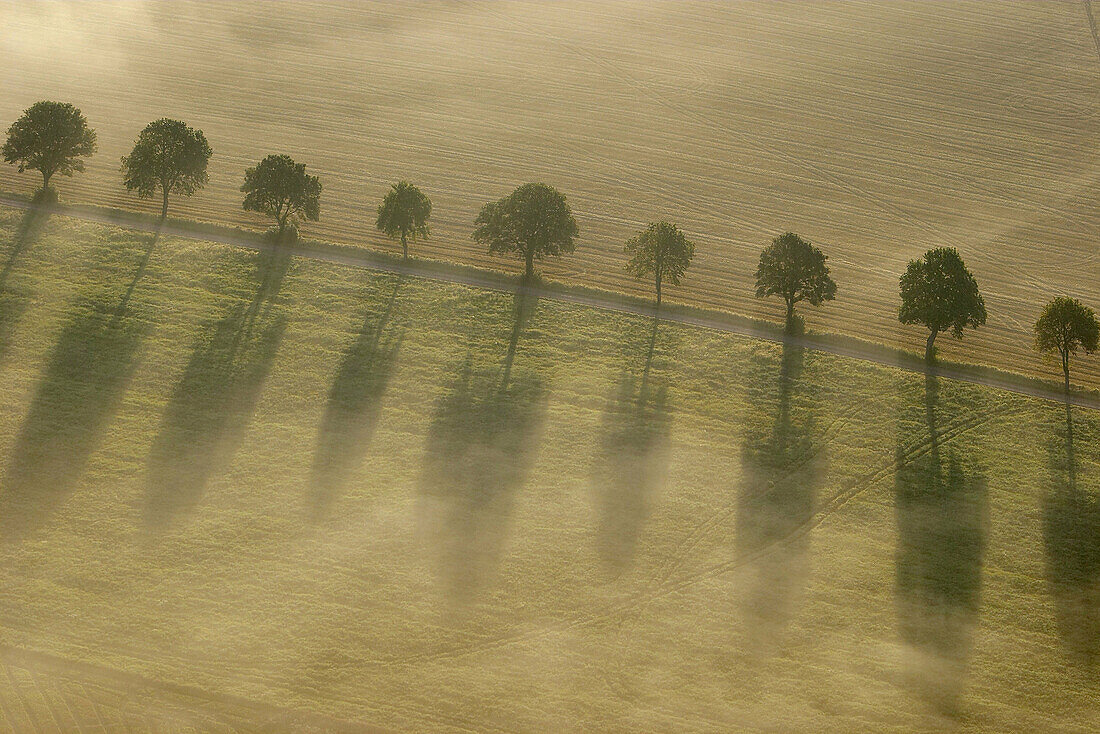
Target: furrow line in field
806 164
32 662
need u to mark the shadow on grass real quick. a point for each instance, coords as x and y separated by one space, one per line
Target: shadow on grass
632 460
1071 534
212 404
14 300
81 386
782 469
484 436
354 401
941 507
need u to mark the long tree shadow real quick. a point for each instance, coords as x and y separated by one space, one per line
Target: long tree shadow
781 469
1071 534
354 401
79 391
480 449
213 403
941 507
631 462
14 300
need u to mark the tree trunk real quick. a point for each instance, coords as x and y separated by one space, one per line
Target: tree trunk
929 346
790 310
658 281
529 273
46 175
164 206
404 245
1065 368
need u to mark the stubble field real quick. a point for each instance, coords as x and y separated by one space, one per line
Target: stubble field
242 493
876 130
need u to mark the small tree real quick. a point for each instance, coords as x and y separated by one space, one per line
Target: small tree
1067 326
51 138
534 220
793 269
404 214
281 188
661 250
940 293
168 156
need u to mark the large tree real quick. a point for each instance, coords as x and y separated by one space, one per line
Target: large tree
51 138
660 250
534 220
404 214
281 188
168 156
1067 327
938 292
793 269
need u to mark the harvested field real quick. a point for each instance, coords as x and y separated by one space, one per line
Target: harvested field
876 130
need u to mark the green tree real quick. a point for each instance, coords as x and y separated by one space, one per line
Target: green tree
661 250
51 138
281 188
534 220
168 156
404 214
1067 327
940 293
793 269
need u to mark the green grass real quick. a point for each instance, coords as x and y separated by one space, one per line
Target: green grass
426 506
496 278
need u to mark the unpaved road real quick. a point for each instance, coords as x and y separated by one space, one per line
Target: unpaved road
368 259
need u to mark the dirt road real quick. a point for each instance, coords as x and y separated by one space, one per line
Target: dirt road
368 259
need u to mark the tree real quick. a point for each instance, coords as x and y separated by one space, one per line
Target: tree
660 250
793 269
404 214
51 138
281 188
1067 326
534 220
940 293
168 156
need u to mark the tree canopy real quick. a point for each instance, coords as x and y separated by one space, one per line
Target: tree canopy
534 220
169 156
939 292
281 188
404 214
1067 327
793 269
660 250
51 138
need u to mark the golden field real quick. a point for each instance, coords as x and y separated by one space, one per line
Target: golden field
244 494
876 130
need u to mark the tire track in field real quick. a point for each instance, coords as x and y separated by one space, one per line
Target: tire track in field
1092 27
824 511
675 560
617 612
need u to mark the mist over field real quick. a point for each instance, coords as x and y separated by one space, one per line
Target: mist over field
250 483
876 130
